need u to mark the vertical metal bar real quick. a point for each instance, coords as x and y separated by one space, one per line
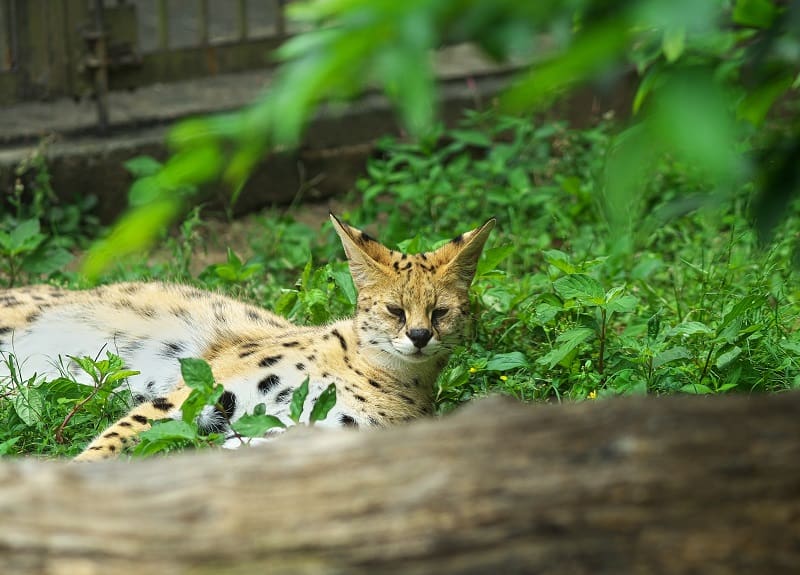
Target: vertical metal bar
280 25
241 18
5 41
202 8
101 68
163 25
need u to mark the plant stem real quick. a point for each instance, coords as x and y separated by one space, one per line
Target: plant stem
601 359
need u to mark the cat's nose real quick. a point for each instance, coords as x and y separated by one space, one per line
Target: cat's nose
419 337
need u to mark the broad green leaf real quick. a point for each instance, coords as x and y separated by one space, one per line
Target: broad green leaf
120 375
566 343
5 446
87 364
492 257
137 230
673 43
298 400
28 404
671 354
196 373
472 138
696 389
47 260
142 166
580 287
757 102
344 281
507 361
623 304
559 260
728 356
25 236
592 50
754 13
164 436
690 328
171 429
252 425
688 100
324 403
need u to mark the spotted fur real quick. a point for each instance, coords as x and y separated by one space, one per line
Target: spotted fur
411 311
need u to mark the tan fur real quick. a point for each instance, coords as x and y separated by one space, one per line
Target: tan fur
381 377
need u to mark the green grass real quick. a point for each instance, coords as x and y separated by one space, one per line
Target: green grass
672 295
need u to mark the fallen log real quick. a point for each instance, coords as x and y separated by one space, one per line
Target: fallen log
673 485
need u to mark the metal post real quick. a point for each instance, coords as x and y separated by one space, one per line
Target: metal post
101 68
280 25
202 8
241 13
163 25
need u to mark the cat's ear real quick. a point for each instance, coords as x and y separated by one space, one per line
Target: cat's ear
369 259
461 254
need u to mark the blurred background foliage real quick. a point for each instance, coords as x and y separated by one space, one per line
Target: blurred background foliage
711 75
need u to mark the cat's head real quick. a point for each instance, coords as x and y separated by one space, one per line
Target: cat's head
413 307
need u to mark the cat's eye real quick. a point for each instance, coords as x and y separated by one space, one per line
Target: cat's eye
439 313
396 312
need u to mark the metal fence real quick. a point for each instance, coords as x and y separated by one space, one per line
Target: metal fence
77 48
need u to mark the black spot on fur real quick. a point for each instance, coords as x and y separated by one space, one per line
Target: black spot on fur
111 434
171 349
32 317
403 256
227 402
147 311
247 353
373 422
139 398
125 423
284 395
396 266
300 367
408 266
4 329
407 399
325 375
291 343
311 357
423 256
270 360
458 240
268 383
359 397
341 339
365 238
374 383
161 404
112 448
95 448
347 421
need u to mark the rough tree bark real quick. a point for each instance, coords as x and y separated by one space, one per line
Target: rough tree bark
631 486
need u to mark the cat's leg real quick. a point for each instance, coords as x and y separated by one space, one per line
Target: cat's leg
125 431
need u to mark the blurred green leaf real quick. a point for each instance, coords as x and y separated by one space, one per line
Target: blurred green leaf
673 43
323 405
136 231
755 13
